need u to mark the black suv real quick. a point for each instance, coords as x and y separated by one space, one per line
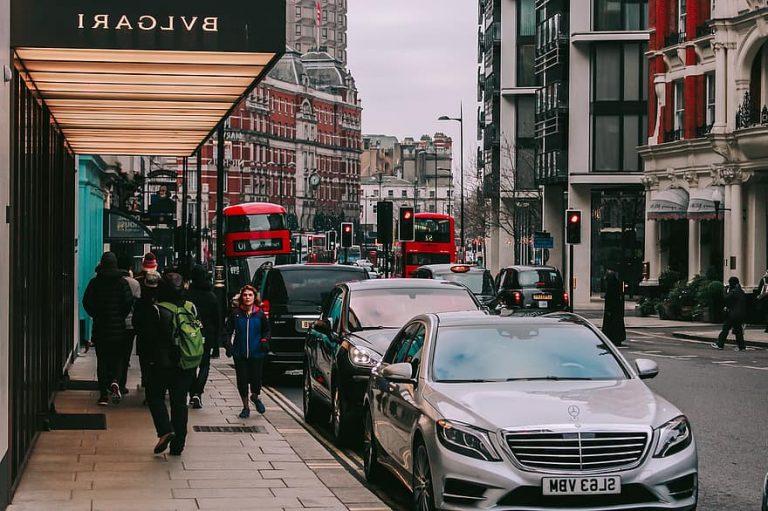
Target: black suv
531 287
292 295
357 326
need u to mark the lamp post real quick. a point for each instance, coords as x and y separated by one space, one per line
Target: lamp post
448 199
460 120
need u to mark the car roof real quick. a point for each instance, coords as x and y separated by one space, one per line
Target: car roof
482 319
447 267
401 284
529 268
320 266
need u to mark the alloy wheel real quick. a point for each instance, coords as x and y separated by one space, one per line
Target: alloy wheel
423 498
307 396
336 415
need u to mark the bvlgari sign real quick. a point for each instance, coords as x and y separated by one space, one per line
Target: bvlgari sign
178 25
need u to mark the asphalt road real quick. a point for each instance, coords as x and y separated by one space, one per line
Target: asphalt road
723 393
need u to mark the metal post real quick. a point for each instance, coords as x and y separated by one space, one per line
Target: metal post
463 241
199 205
435 148
184 210
570 277
219 275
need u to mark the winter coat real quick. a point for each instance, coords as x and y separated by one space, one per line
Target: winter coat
108 300
247 335
613 314
160 349
207 305
736 304
144 319
136 292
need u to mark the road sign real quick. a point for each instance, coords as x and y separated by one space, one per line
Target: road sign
543 240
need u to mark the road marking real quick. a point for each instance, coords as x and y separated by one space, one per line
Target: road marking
725 362
754 367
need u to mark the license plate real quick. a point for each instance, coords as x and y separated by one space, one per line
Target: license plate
542 297
543 305
598 485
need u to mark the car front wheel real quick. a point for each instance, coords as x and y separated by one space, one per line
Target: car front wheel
340 426
312 410
423 490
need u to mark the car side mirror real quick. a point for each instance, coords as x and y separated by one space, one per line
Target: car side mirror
323 326
398 373
646 369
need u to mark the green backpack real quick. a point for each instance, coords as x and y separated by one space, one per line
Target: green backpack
188 333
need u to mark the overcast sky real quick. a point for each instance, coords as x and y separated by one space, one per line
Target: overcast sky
414 60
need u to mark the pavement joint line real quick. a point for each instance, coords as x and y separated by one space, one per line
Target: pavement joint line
725 362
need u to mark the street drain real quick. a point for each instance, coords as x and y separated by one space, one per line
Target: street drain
229 429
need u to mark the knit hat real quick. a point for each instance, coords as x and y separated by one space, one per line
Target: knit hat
149 263
108 261
152 279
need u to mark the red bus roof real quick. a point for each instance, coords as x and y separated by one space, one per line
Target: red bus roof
254 208
433 216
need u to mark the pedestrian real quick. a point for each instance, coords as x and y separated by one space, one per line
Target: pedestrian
124 263
172 357
762 296
201 294
613 313
108 300
735 315
143 322
149 263
247 337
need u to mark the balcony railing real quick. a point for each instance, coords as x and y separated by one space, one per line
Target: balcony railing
704 30
749 114
673 135
551 43
551 167
703 130
674 39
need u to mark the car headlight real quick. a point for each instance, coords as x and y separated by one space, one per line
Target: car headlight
362 357
467 440
673 437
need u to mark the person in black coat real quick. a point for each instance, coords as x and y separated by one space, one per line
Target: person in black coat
736 315
613 314
108 300
201 294
143 315
164 373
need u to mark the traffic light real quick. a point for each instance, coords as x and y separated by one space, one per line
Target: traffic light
384 222
347 234
573 226
331 240
406 224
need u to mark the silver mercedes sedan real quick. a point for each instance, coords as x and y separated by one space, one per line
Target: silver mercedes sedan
484 412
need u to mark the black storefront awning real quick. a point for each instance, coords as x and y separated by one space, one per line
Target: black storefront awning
119 226
669 204
144 77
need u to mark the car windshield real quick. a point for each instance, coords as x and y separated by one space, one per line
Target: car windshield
431 230
479 283
304 286
522 352
393 308
539 278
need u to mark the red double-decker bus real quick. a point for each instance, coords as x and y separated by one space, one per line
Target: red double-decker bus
434 243
254 233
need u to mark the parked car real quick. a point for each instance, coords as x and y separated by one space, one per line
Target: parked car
531 287
476 279
292 295
356 327
527 413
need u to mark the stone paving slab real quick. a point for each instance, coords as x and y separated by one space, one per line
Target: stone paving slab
282 468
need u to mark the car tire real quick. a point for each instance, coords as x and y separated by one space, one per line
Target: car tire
371 464
765 495
340 425
310 404
423 489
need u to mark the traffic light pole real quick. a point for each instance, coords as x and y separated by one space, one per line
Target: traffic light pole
570 277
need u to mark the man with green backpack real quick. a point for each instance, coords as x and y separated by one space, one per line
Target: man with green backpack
172 360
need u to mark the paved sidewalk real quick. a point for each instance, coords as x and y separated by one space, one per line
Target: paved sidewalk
754 336
281 467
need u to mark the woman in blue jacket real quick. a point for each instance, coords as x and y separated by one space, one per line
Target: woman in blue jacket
247 341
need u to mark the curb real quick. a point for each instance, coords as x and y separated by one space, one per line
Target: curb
709 340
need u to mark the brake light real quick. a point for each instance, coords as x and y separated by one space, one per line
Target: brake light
541 284
565 298
517 298
266 306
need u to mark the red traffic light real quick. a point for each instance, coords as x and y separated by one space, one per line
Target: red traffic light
347 228
408 215
574 218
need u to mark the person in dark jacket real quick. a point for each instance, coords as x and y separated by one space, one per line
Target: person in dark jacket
164 373
108 300
143 316
613 314
201 294
247 341
124 264
736 315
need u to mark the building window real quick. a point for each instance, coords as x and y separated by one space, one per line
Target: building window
390 193
710 100
298 11
298 29
619 102
404 194
325 33
431 194
526 44
681 13
621 14
679 107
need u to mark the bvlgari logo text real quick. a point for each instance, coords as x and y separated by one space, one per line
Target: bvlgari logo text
147 23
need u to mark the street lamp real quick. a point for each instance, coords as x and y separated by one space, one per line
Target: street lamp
460 120
717 198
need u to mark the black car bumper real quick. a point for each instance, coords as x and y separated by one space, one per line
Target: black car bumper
286 351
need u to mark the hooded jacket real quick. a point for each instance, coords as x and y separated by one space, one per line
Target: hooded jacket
108 300
736 303
201 294
247 334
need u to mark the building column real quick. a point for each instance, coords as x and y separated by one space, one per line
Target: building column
652 248
756 234
737 226
694 249
721 88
